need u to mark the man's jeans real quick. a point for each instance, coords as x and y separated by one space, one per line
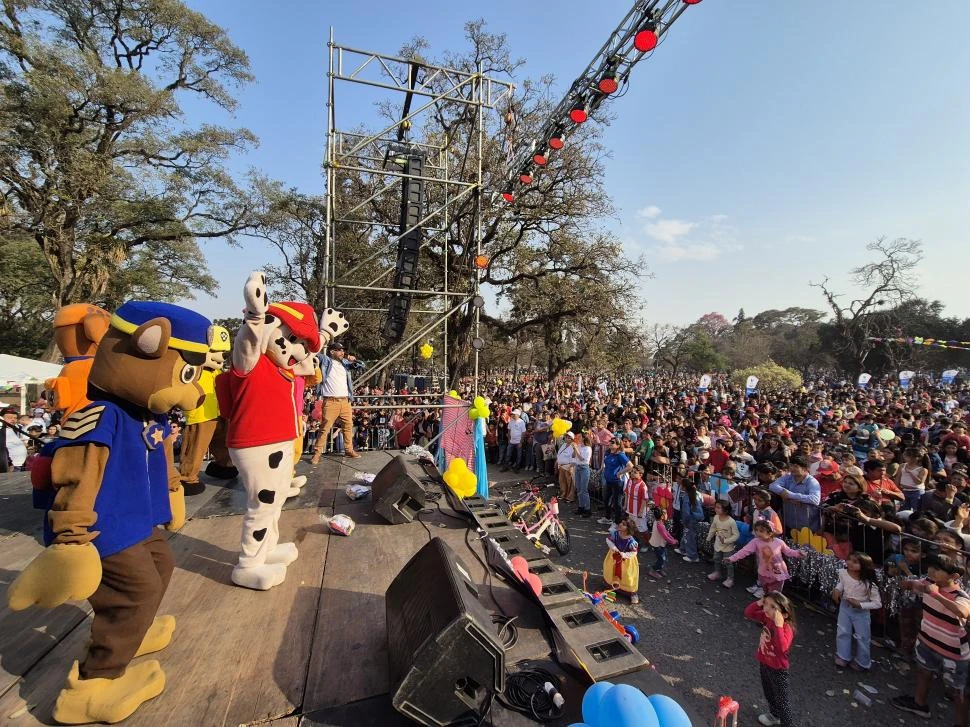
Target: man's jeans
581 481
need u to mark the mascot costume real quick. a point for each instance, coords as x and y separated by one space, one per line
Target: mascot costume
112 483
201 422
78 329
256 397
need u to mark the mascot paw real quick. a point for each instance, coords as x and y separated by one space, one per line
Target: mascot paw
332 324
159 635
293 492
283 554
298 481
257 301
260 577
221 472
176 500
61 573
191 489
108 700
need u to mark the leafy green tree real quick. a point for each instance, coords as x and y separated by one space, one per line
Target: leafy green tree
97 164
25 307
702 356
771 377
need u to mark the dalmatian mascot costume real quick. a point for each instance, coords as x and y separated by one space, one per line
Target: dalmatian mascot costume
256 397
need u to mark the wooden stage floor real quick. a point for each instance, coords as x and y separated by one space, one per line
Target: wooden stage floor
309 652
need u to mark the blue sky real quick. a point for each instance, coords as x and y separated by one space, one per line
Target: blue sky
760 147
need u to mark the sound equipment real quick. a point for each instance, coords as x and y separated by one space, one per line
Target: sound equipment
444 654
397 495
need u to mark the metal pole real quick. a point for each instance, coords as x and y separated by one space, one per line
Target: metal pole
478 224
328 251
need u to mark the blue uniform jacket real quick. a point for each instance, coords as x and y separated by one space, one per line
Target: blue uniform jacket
133 498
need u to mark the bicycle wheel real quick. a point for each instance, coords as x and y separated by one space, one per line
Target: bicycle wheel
558 537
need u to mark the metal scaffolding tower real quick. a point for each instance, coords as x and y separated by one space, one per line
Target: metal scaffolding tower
386 158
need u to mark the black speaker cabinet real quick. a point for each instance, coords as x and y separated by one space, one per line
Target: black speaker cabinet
397 495
444 654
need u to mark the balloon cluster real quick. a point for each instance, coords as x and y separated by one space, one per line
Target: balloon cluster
479 409
460 479
620 705
560 427
453 394
427 351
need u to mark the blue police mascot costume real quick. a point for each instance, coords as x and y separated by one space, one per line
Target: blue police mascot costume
112 484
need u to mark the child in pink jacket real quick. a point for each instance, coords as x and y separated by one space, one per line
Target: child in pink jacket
772 570
659 539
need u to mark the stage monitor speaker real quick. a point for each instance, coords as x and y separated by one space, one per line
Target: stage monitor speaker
397 495
444 654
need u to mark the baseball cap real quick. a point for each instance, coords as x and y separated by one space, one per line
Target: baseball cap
568 435
335 346
517 412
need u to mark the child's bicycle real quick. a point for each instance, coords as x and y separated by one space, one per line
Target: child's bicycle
545 521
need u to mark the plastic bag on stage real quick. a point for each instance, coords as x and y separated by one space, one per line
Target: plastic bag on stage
340 524
367 477
357 492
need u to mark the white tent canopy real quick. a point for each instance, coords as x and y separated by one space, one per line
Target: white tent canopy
18 371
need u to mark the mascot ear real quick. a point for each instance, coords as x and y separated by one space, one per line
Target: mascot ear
151 337
96 323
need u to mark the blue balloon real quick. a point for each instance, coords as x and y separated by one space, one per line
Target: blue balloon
626 706
669 713
591 702
744 534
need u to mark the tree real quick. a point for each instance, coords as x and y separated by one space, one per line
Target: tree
96 164
701 356
714 325
889 280
25 308
771 377
669 346
552 216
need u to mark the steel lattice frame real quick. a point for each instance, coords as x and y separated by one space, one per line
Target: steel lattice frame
352 151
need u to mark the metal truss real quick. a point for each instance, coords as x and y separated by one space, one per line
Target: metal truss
616 58
430 87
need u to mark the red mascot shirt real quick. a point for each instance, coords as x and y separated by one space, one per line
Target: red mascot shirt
257 406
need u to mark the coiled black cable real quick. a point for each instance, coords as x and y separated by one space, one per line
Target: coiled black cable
525 692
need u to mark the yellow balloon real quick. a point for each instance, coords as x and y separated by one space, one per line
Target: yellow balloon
427 350
479 409
560 427
460 479
453 394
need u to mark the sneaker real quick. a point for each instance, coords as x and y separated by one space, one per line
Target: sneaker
908 704
653 574
634 599
605 521
728 583
858 667
841 663
688 559
715 576
752 589
759 593
678 551
768 719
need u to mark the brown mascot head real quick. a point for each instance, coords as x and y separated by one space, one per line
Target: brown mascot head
152 356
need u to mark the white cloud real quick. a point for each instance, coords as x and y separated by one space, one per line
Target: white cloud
672 252
675 240
669 230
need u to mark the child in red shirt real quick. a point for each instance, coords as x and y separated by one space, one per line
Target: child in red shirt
777 616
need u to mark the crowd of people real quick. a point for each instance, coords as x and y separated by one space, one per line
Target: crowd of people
878 476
